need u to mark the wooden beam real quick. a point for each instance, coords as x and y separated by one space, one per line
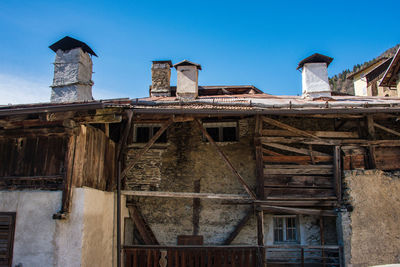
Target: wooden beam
301 170
124 138
299 203
260 236
296 159
239 227
324 134
141 225
270 152
184 195
337 172
370 127
147 147
288 127
294 149
223 156
299 211
386 129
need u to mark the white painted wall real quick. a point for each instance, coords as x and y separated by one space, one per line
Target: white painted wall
360 87
187 82
315 81
86 238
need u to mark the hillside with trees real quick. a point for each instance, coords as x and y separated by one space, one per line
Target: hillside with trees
339 83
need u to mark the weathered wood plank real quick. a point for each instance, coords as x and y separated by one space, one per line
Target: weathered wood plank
323 134
299 203
300 171
337 172
296 159
141 225
288 127
386 129
184 195
270 152
239 227
294 193
298 181
295 149
292 166
298 210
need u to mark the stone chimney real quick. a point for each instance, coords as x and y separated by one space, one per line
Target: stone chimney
72 80
187 87
161 78
315 81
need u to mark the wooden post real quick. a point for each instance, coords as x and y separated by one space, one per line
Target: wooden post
371 127
259 158
260 236
302 257
337 172
321 234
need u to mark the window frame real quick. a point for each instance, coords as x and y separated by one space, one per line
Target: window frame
285 229
151 127
220 125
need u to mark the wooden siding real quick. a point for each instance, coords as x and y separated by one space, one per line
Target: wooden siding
94 160
32 156
7 227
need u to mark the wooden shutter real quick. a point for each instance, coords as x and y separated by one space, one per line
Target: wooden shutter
7 226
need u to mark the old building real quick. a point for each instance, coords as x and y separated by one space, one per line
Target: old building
198 175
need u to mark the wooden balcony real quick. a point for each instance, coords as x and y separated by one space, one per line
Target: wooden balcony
231 256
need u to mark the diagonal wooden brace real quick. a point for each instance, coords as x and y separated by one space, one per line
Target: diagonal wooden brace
223 156
147 147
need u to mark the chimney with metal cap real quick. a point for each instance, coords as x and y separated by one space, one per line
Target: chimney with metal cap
161 78
73 65
187 87
315 81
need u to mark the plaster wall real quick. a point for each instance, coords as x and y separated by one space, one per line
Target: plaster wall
371 234
84 239
315 80
187 81
360 87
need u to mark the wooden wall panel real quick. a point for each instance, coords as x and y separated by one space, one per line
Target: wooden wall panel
94 164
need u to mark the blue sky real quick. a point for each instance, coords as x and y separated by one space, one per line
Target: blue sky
236 42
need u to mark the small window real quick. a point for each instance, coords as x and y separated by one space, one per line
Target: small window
144 132
222 131
7 227
285 229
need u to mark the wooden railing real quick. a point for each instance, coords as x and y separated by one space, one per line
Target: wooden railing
231 256
304 255
190 256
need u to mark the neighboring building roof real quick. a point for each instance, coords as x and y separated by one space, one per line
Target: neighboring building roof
374 65
67 43
187 63
315 58
389 78
378 70
224 90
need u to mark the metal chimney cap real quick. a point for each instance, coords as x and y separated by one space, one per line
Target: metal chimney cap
67 43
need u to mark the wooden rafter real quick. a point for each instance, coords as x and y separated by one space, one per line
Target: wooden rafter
296 150
223 156
185 195
386 129
300 211
239 227
288 127
147 147
143 228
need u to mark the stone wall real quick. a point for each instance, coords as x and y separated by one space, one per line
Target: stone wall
371 232
187 163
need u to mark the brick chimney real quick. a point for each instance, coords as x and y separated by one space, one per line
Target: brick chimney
161 78
187 87
73 65
314 71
